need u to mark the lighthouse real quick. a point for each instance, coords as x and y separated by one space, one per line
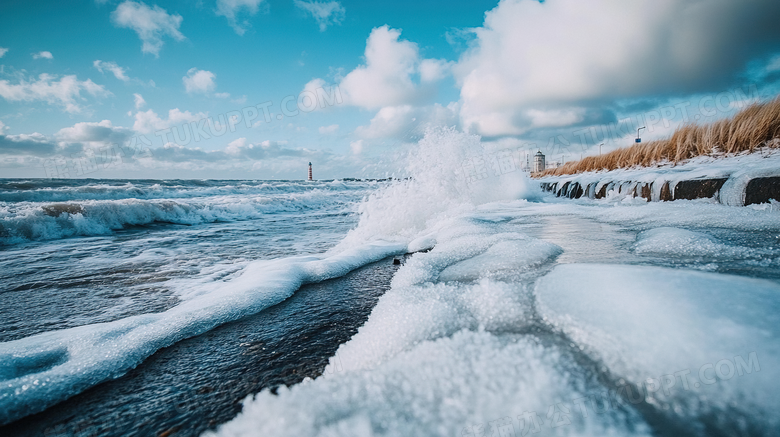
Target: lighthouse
538 162
310 178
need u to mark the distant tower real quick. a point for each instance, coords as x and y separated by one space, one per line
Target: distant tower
310 178
538 162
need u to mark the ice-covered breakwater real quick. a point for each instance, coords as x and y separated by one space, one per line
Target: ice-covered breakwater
736 181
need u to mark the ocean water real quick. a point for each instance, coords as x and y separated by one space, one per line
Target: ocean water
513 313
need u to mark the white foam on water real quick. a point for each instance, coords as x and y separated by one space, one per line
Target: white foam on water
439 188
646 322
39 371
25 221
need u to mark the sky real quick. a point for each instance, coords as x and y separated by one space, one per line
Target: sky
257 89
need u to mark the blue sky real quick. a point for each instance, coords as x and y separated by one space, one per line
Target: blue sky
118 89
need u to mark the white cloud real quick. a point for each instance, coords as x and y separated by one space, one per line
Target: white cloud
242 148
231 8
103 132
326 130
42 55
151 24
432 70
66 91
139 101
239 100
520 72
3 51
325 95
555 117
148 121
326 13
356 147
222 95
24 144
234 147
112 67
3 127
388 76
199 81
771 66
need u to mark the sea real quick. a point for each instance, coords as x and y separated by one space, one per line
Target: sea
456 300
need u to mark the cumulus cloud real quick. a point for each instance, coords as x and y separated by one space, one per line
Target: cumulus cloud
274 158
326 130
230 9
42 55
103 132
394 73
199 81
3 127
326 13
111 67
238 151
386 79
3 51
65 91
432 70
319 95
151 24
356 147
520 74
34 144
222 95
139 101
148 121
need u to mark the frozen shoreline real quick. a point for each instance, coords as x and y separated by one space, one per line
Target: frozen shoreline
728 180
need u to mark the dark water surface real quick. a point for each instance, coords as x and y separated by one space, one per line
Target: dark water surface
199 383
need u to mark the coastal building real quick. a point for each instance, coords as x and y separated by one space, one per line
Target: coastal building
310 178
538 162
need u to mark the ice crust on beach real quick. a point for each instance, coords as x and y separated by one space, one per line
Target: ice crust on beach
404 373
682 243
455 386
454 286
645 322
442 354
739 169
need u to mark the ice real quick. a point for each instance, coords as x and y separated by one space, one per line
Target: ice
739 169
682 243
456 285
646 322
39 371
463 385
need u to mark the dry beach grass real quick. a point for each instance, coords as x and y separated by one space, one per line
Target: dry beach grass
756 126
